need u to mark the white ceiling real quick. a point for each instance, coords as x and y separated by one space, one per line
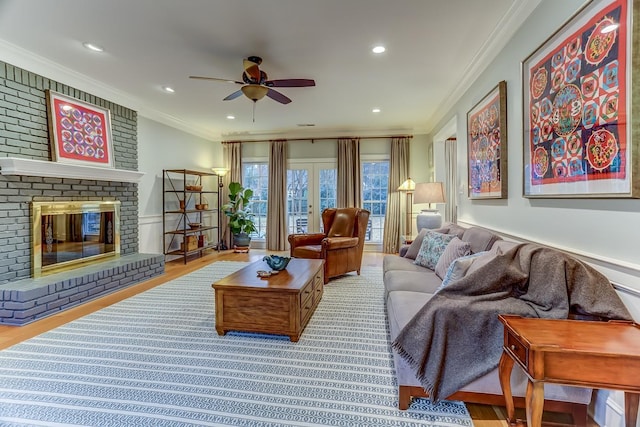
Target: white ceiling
435 48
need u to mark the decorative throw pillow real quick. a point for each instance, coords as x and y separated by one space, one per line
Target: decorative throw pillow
454 250
458 268
414 247
433 245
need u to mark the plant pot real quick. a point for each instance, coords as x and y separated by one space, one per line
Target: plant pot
241 240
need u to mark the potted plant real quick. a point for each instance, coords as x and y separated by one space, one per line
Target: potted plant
240 216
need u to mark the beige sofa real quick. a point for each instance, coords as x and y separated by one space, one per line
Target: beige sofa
408 287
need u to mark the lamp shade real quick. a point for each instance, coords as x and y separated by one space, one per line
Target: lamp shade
408 185
255 92
220 171
429 192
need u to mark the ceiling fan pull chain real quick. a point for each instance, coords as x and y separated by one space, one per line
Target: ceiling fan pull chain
254 111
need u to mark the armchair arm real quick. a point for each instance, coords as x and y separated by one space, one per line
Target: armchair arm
305 239
331 243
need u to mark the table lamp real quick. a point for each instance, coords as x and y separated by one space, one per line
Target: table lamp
429 192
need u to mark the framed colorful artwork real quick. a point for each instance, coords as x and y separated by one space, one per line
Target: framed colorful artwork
80 133
579 95
487 145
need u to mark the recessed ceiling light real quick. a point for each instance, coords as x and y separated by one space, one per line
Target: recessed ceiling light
168 89
375 110
378 49
230 117
93 47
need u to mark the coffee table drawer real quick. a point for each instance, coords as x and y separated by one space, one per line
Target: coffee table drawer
318 286
241 309
306 294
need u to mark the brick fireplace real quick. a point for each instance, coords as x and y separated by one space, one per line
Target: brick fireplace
24 137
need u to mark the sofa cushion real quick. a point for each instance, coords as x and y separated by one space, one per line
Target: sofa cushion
457 230
502 246
479 239
402 306
454 250
433 245
394 262
424 281
459 267
414 247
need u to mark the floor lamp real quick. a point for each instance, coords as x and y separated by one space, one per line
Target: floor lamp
429 192
408 186
220 172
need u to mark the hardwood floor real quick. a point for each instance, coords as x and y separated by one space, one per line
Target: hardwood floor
482 415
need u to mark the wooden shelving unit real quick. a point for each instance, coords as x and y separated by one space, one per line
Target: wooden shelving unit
176 220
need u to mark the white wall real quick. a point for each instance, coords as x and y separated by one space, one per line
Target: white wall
605 232
163 147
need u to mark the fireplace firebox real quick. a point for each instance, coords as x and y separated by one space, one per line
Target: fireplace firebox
68 234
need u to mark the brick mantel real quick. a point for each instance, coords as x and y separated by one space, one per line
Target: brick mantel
30 167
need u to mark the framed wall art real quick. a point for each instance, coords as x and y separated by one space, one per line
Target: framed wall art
579 90
487 145
80 133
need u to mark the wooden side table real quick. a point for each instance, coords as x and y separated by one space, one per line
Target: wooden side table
570 352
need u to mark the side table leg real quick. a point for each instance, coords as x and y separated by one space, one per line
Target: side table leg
504 370
534 403
631 401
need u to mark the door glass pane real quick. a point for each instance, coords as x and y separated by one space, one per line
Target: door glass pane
256 177
328 183
297 200
375 180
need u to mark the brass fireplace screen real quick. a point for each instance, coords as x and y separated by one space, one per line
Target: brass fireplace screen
66 234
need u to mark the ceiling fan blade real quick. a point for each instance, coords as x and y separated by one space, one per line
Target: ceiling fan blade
252 70
216 79
290 83
234 95
277 96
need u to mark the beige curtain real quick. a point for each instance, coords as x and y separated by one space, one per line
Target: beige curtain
451 184
398 173
232 153
277 230
349 193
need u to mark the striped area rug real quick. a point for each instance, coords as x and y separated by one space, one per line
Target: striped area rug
156 360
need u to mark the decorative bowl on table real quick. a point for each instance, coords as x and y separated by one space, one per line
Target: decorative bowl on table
263 273
277 262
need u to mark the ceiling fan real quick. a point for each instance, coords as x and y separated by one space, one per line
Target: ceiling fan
256 84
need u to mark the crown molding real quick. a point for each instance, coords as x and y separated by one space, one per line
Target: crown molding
497 40
22 58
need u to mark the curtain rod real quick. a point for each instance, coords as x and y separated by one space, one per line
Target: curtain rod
317 139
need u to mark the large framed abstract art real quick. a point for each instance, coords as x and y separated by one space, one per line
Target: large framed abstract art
80 133
580 91
487 145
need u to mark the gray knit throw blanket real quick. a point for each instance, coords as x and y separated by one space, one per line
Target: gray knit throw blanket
456 337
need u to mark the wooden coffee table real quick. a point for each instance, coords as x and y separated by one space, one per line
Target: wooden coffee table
280 304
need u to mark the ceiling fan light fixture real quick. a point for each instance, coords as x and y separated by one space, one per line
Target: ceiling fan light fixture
255 92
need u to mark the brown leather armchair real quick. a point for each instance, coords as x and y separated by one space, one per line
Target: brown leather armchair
340 245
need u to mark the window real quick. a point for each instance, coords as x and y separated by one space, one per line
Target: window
375 180
256 177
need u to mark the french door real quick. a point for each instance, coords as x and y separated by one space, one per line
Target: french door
311 187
